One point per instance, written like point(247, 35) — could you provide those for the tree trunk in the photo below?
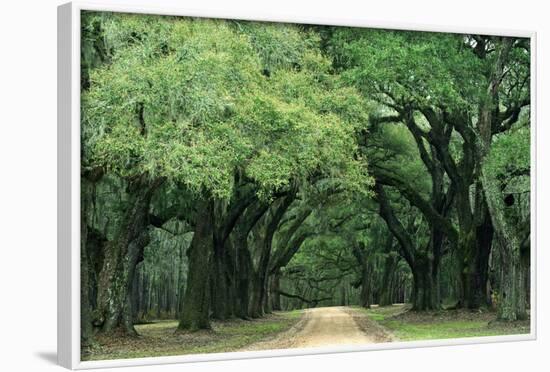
point(221, 308)
point(267, 297)
point(425, 294)
point(484, 237)
point(386, 291)
point(181, 282)
point(223, 282)
point(274, 289)
point(243, 275)
point(512, 295)
point(258, 290)
point(136, 291)
point(231, 277)
point(365, 295)
point(86, 334)
point(121, 257)
point(196, 304)
point(472, 294)
point(259, 286)
point(244, 272)
point(226, 218)
point(512, 304)
point(524, 286)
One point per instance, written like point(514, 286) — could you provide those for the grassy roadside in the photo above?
point(408, 326)
point(159, 338)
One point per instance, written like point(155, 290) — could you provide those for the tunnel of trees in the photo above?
point(231, 169)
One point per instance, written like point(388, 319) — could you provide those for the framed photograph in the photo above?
point(243, 186)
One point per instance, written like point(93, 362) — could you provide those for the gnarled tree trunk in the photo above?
point(512, 301)
point(121, 257)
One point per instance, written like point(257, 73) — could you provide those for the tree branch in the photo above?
point(313, 302)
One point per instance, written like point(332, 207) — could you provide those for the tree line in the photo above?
point(233, 168)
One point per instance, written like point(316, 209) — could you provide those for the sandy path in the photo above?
point(330, 326)
point(320, 327)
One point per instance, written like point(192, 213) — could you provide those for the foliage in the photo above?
point(420, 67)
point(510, 154)
point(177, 103)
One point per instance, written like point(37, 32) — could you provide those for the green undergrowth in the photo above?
point(161, 339)
point(409, 325)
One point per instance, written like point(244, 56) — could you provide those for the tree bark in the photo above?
point(121, 257)
point(275, 291)
point(260, 276)
point(484, 234)
point(91, 246)
point(244, 272)
point(512, 304)
point(365, 281)
point(425, 291)
point(181, 282)
point(244, 266)
point(258, 290)
point(221, 283)
point(462, 176)
point(195, 314)
point(224, 262)
point(86, 333)
point(386, 291)
point(425, 273)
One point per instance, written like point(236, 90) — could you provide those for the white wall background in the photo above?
point(28, 182)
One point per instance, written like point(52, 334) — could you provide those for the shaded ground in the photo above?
point(327, 326)
point(409, 325)
point(159, 338)
point(318, 327)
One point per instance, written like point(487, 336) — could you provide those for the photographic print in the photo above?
point(253, 186)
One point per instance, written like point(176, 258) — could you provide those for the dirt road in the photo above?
point(324, 326)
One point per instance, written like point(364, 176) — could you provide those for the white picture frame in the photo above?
point(69, 183)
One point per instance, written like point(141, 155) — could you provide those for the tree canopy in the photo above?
point(231, 168)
